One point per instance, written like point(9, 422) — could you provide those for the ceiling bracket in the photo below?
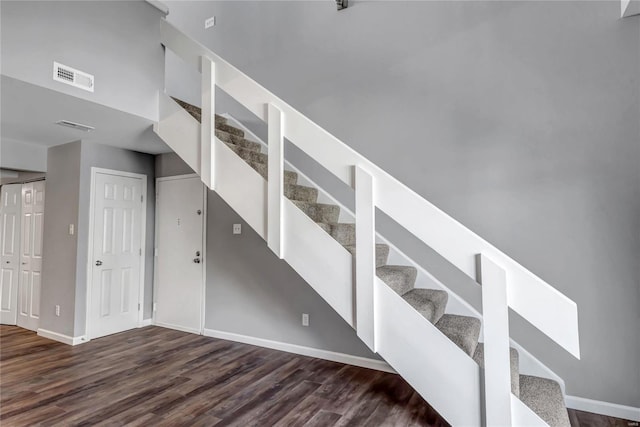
point(342, 4)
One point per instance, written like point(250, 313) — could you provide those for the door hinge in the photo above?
point(141, 198)
point(138, 306)
point(140, 251)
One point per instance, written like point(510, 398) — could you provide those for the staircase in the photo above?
point(433, 346)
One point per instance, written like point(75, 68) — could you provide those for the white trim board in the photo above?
point(363, 362)
point(65, 339)
point(603, 408)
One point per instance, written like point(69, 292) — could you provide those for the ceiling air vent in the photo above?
point(73, 125)
point(73, 77)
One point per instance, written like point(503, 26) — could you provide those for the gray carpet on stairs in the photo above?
point(462, 330)
point(478, 356)
point(542, 395)
point(400, 278)
point(382, 253)
point(430, 303)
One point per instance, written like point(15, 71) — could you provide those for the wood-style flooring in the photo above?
point(160, 377)
point(155, 376)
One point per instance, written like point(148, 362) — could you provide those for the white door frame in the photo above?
point(143, 238)
point(204, 247)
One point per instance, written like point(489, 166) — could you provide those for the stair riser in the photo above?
point(300, 193)
point(319, 212)
point(230, 129)
point(345, 234)
point(239, 141)
point(401, 281)
point(382, 253)
point(290, 178)
point(248, 155)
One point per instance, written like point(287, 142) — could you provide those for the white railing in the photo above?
point(506, 284)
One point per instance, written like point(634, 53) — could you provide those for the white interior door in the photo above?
point(180, 259)
point(10, 252)
point(31, 255)
point(118, 214)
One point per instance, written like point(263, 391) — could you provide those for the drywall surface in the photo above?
point(22, 156)
point(107, 157)
point(519, 119)
point(252, 292)
point(59, 248)
point(170, 164)
point(117, 42)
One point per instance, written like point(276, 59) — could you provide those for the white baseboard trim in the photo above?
point(603, 408)
point(65, 339)
point(146, 322)
point(177, 328)
point(364, 362)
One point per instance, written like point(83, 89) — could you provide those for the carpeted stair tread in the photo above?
point(301, 193)
point(545, 398)
point(431, 303)
point(248, 155)
point(400, 278)
point(344, 233)
point(238, 140)
point(478, 356)
point(230, 129)
point(319, 212)
point(382, 253)
point(290, 177)
point(462, 330)
point(196, 112)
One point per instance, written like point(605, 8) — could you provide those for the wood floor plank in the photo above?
point(160, 377)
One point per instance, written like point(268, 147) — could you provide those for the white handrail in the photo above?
point(542, 305)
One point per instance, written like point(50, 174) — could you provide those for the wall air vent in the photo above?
point(73, 77)
point(77, 126)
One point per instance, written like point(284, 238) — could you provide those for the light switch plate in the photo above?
point(210, 22)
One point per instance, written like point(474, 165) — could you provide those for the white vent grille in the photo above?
point(73, 77)
point(73, 125)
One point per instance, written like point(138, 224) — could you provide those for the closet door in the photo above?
point(9, 252)
point(31, 255)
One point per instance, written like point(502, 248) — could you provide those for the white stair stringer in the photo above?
point(434, 366)
point(179, 130)
point(320, 260)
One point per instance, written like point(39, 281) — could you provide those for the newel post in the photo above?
point(365, 257)
point(495, 324)
point(207, 127)
point(275, 180)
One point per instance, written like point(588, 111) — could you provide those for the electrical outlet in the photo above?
point(57, 310)
point(210, 22)
point(71, 229)
point(155, 306)
point(237, 228)
point(305, 319)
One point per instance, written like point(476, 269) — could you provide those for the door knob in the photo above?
point(196, 260)
point(98, 262)
point(197, 253)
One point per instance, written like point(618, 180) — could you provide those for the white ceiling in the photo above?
point(29, 113)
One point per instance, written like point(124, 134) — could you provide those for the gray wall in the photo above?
point(22, 156)
point(67, 202)
point(119, 46)
point(59, 248)
point(251, 292)
point(519, 119)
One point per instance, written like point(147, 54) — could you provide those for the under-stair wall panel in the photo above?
point(324, 264)
point(241, 187)
point(180, 131)
point(446, 377)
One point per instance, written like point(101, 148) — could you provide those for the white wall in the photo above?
point(520, 119)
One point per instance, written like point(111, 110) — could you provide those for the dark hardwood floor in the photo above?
point(154, 376)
